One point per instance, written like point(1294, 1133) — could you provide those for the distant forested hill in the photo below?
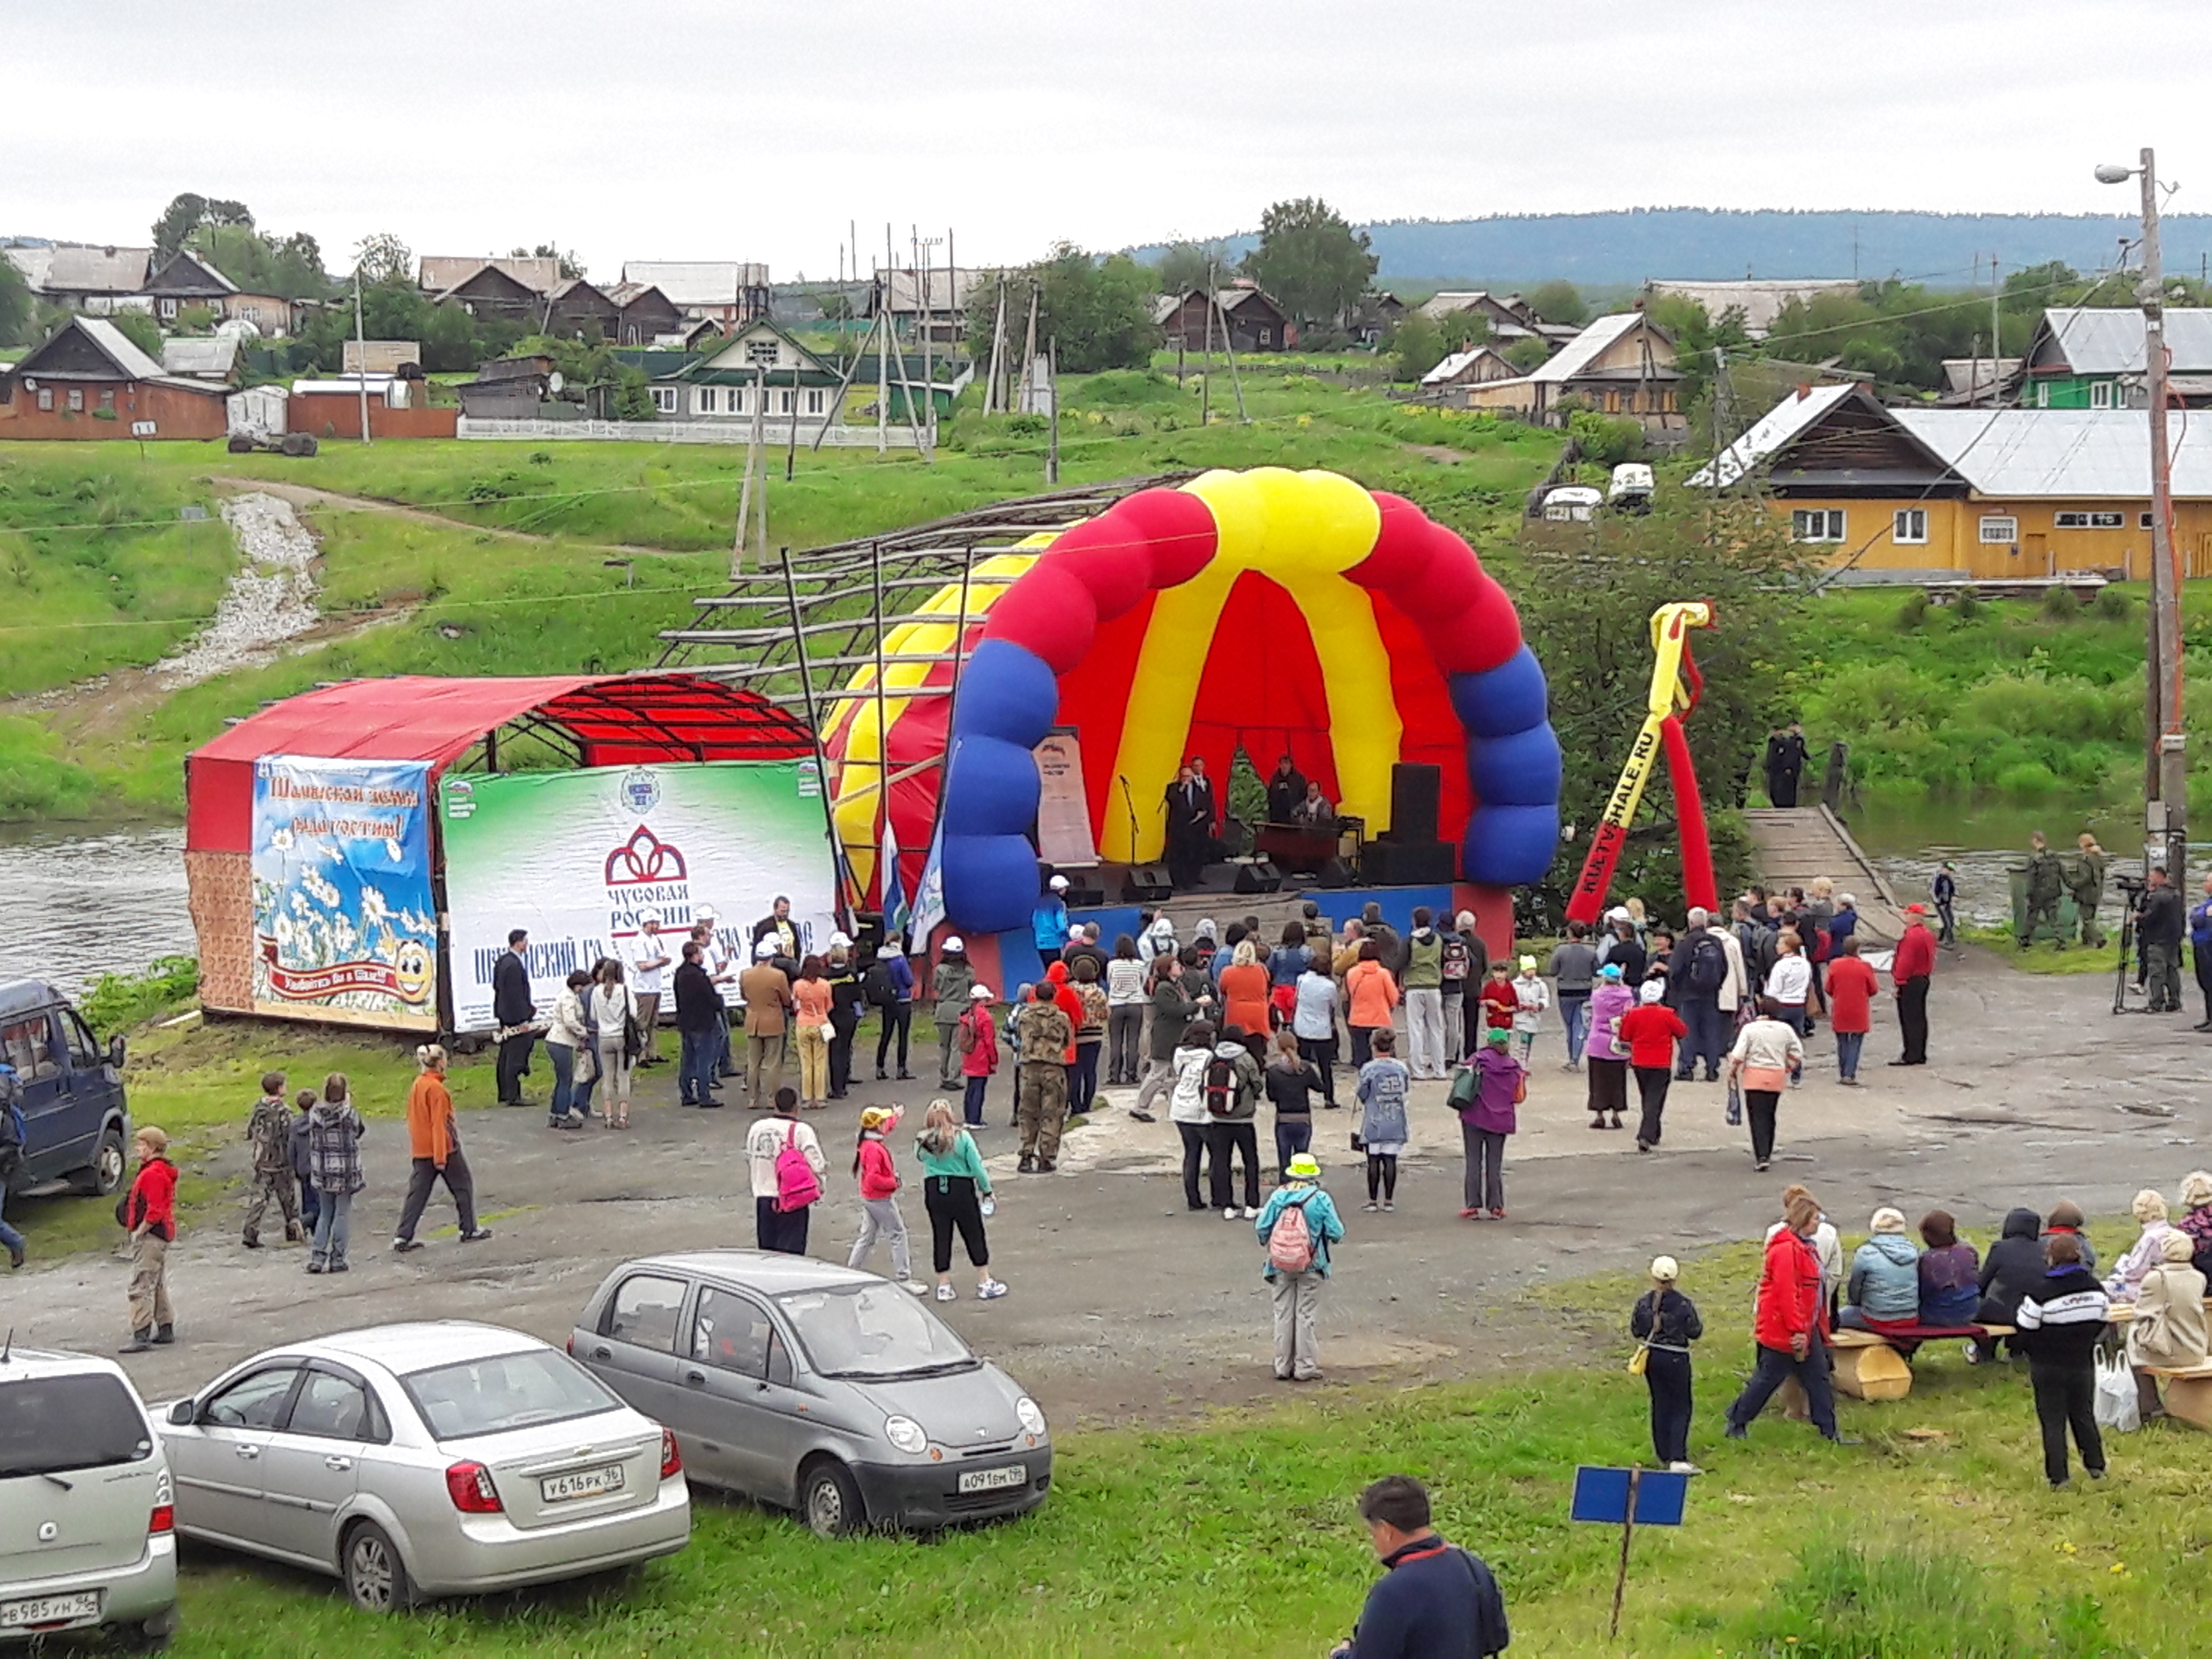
point(1635, 244)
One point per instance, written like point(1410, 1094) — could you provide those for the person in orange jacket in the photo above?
point(434, 1141)
point(1790, 1323)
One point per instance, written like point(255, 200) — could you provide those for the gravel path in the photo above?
point(271, 599)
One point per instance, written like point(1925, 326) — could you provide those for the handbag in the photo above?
point(1467, 1083)
point(1640, 1361)
point(1735, 1108)
point(2116, 1405)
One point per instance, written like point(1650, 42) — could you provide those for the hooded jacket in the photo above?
point(1608, 1004)
point(1498, 1078)
point(2013, 1267)
point(1425, 960)
point(1885, 1281)
point(1789, 1302)
point(1244, 1101)
point(1187, 1103)
point(1172, 1009)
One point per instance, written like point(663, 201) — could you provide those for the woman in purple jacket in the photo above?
point(1501, 1081)
point(1607, 1055)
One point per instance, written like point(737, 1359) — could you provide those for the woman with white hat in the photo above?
point(948, 989)
point(1665, 1322)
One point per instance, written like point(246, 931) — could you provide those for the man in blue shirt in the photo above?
point(1049, 921)
point(1435, 1600)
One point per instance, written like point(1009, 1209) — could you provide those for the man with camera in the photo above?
point(2160, 923)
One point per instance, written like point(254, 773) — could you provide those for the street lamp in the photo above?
point(2166, 769)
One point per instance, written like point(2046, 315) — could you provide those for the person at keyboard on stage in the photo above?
point(1313, 808)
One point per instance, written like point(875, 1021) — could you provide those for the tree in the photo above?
point(383, 258)
point(1586, 612)
point(187, 213)
point(1417, 345)
point(1558, 301)
point(1099, 310)
point(571, 264)
point(16, 306)
point(1310, 260)
point(289, 267)
point(1187, 265)
point(141, 329)
point(1532, 351)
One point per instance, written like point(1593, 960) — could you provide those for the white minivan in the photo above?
point(86, 1507)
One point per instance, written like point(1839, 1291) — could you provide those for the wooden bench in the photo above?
point(1871, 1366)
point(2187, 1393)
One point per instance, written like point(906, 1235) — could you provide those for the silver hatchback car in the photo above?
point(818, 1389)
point(432, 1459)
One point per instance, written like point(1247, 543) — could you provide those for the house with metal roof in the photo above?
point(1758, 301)
point(88, 380)
point(1240, 318)
point(1987, 493)
point(440, 273)
point(1623, 364)
point(759, 361)
point(1472, 367)
point(186, 281)
point(81, 276)
point(728, 292)
point(2092, 357)
point(214, 358)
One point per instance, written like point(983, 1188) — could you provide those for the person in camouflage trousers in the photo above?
point(2087, 886)
point(269, 1132)
point(2046, 882)
point(1047, 1045)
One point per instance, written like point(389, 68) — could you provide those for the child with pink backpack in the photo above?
point(787, 1167)
point(1297, 1225)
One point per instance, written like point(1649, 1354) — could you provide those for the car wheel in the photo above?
point(375, 1577)
point(829, 1499)
point(105, 1173)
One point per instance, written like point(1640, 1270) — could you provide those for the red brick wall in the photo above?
point(337, 415)
point(175, 414)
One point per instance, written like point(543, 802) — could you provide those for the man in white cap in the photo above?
point(1049, 921)
point(722, 971)
point(648, 961)
point(766, 989)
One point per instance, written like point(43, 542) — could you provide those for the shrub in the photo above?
point(1912, 612)
point(1968, 606)
point(1606, 440)
point(115, 1001)
point(2112, 604)
point(2059, 603)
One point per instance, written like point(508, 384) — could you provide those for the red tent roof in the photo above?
point(620, 720)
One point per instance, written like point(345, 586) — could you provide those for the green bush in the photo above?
point(2112, 604)
point(1913, 612)
point(1968, 606)
point(2060, 605)
point(116, 1000)
point(1606, 440)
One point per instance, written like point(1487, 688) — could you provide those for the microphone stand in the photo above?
point(1129, 805)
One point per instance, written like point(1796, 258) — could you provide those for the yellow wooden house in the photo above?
point(1981, 492)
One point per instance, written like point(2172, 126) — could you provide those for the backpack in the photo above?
point(965, 1036)
point(1220, 1086)
point(797, 1185)
point(1291, 1246)
point(1708, 965)
point(1457, 959)
point(876, 986)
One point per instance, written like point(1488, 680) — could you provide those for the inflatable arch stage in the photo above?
point(1287, 612)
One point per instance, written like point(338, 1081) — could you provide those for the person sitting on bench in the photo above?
point(1949, 1273)
point(1884, 1288)
point(2012, 1269)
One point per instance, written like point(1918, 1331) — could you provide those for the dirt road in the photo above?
point(1126, 1305)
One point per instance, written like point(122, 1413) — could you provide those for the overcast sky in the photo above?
point(732, 129)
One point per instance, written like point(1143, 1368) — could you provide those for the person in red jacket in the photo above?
point(1851, 992)
point(880, 1183)
point(1651, 1030)
point(1790, 1323)
point(1909, 974)
point(150, 1211)
point(976, 1037)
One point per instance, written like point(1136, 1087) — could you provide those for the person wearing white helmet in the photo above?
point(841, 968)
point(1049, 921)
point(649, 961)
point(1664, 1322)
point(766, 988)
point(949, 985)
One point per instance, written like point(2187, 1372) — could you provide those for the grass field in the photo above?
point(1238, 1536)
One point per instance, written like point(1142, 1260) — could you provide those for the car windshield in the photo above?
point(506, 1391)
point(871, 1331)
point(52, 1424)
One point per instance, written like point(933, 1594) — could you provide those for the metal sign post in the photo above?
point(1622, 1498)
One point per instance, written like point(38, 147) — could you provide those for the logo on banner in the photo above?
point(460, 798)
point(641, 790)
point(646, 872)
point(408, 977)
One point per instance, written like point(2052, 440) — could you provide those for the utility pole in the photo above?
point(2165, 764)
point(1052, 454)
point(1996, 331)
point(361, 357)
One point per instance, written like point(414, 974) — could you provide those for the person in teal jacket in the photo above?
point(1049, 921)
point(955, 1188)
point(1297, 1292)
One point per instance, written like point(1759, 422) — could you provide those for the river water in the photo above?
point(75, 904)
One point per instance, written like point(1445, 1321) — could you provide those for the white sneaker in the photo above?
point(990, 1292)
point(1249, 1213)
point(946, 1293)
point(915, 1287)
point(1230, 1214)
point(1684, 1468)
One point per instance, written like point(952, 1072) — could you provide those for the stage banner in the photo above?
point(1063, 807)
point(345, 927)
point(575, 857)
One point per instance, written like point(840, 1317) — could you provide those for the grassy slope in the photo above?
point(1236, 1535)
point(481, 604)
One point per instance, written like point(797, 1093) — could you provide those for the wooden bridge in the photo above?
point(1797, 843)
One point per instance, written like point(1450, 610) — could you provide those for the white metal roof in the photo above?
point(80, 268)
point(1770, 433)
point(1572, 358)
point(441, 273)
point(2069, 453)
point(686, 283)
point(216, 356)
point(2109, 340)
point(120, 352)
point(1457, 362)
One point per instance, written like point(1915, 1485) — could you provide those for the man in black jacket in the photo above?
point(515, 1010)
point(699, 1027)
point(2059, 1325)
point(2159, 929)
point(1436, 1600)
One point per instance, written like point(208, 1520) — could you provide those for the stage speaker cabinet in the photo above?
point(1259, 876)
point(1083, 891)
point(1410, 864)
point(1414, 791)
point(1147, 884)
point(1333, 872)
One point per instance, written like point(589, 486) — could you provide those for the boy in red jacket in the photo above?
point(880, 1183)
point(150, 1211)
point(977, 1036)
point(1789, 1322)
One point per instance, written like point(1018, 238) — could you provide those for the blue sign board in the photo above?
point(1601, 1495)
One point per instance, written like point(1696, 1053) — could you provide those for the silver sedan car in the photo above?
point(420, 1460)
point(818, 1389)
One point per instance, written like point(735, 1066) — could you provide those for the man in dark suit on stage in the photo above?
point(515, 1010)
point(1190, 825)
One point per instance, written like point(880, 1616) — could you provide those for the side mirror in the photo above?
point(116, 1050)
point(181, 1414)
